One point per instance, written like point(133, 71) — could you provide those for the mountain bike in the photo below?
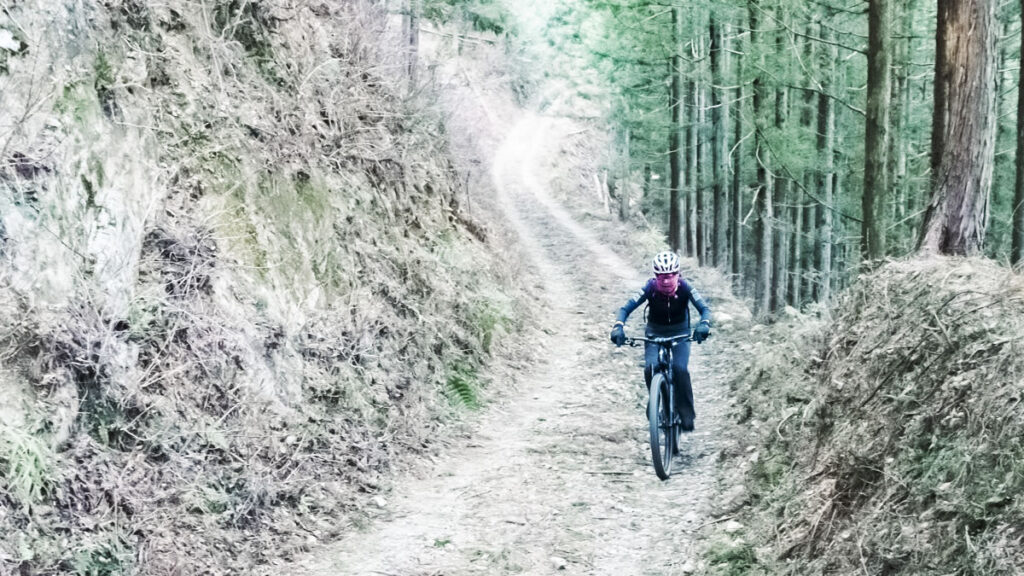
point(665, 424)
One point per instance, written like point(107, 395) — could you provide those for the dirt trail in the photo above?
point(557, 478)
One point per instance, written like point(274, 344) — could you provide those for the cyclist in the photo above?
point(668, 300)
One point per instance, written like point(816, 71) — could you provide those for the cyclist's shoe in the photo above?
point(686, 425)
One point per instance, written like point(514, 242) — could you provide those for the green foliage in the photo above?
point(250, 24)
point(78, 102)
point(103, 72)
point(112, 423)
point(482, 15)
point(463, 385)
point(237, 222)
point(103, 83)
point(107, 555)
point(26, 465)
point(244, 22)
point(487, 17)
point(728, 557)
point(491, 317)
point(289, 230)
point(770, 470)
point(209, 500)
point(146, 315)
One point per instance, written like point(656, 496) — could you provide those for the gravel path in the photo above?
point(557, 478)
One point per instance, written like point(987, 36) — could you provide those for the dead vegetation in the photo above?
point(238, 290)
point(890, 435)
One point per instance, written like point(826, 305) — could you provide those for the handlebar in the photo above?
point(636, 340)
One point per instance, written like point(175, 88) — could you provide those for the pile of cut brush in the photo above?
point(895, 446)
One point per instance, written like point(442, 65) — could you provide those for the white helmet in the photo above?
point(666, 263)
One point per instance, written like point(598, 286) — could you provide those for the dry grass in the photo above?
point(891, 436)
point(238, 283)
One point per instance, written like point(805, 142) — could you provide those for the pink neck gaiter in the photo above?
point(666, 284)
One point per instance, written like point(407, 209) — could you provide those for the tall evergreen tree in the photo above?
point(965, 102)
point(1017, 248)
point(763, 194)
point(675, 146)
point(719, 150)
point(876, 133)
point(736, 227)
point(826, 163)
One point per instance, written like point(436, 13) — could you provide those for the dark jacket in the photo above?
point(667, 316)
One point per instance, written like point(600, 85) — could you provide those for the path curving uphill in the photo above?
point(557, 478)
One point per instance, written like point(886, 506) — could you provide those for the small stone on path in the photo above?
point(732, 527)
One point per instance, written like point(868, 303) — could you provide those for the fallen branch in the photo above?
point(476, 39)
point(713, 522)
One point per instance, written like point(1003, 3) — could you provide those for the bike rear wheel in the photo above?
point(659, 417)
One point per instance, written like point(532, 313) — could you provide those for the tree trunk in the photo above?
point(737, 174)
point(763, 195)
point(1017, 249)
point(939, 108)
point(807, 243)
point(957, 215)
point(780, 252)
point(412, 37)
point(876, 130)
point(720, 152)
point(805, 219)
point(607, 184)
point(826, 163)
point(674, 145)
point(612, 189)
point(627, 179)
point(702, 170)
point(693, 131)
point(899, 128)
point(908, 192)
point(841, 231)
point(645, 189)
point(796, 255)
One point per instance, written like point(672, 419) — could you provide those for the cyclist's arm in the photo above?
point(635, 301)
point(701, 305)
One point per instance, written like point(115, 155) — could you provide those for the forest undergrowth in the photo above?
point(238, 286)
point(887, 437)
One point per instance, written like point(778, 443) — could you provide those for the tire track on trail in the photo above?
point(557, 478)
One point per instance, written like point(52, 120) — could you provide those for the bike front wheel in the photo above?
point(659, 417)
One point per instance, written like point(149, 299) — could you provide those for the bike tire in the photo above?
point(660, 424)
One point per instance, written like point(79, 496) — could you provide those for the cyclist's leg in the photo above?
point(684, 390)
point(650, 362)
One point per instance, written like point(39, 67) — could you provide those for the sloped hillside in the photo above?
point(890, 436)
point(236, 283)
